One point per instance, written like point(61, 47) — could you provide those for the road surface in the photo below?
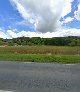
point(39, 77)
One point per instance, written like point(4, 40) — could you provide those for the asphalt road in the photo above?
point(39, 77)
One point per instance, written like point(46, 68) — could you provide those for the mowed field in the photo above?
point(60, 54)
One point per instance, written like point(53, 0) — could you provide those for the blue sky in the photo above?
point(9, 17)
point(14, 22)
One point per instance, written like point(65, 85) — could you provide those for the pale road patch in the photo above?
point(5, 91)
point(27, 62)
point(71, 64)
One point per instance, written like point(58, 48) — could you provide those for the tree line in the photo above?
point(56, 41)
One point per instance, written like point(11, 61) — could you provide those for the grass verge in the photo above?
point(40, 58)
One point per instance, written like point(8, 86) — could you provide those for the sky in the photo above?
point(39, 18)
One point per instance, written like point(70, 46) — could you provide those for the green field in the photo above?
point(60, 54)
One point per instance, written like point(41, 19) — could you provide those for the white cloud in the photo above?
point(44, 15)
point(70, 32)
point(68, 19)
point(61, 33)
point(20, 8)
point(11, 34)
point(3, 35)
point(77, 13)
point(67, 7)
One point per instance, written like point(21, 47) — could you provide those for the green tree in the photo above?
point(10, 43)
point(75, 42)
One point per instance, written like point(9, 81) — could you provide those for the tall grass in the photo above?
point(60, 54)
point(54, 50)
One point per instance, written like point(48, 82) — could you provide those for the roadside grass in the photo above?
point(40, 58)
point(46, 54)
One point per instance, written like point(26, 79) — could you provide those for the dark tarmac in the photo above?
point(39, 77)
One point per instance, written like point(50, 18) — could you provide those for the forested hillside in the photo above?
point(57, 41)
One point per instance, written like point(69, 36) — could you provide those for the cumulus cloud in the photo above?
point(43, 14)
point(77, 13)
point(3, 35)
point(61, 33)
point(67, 7)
